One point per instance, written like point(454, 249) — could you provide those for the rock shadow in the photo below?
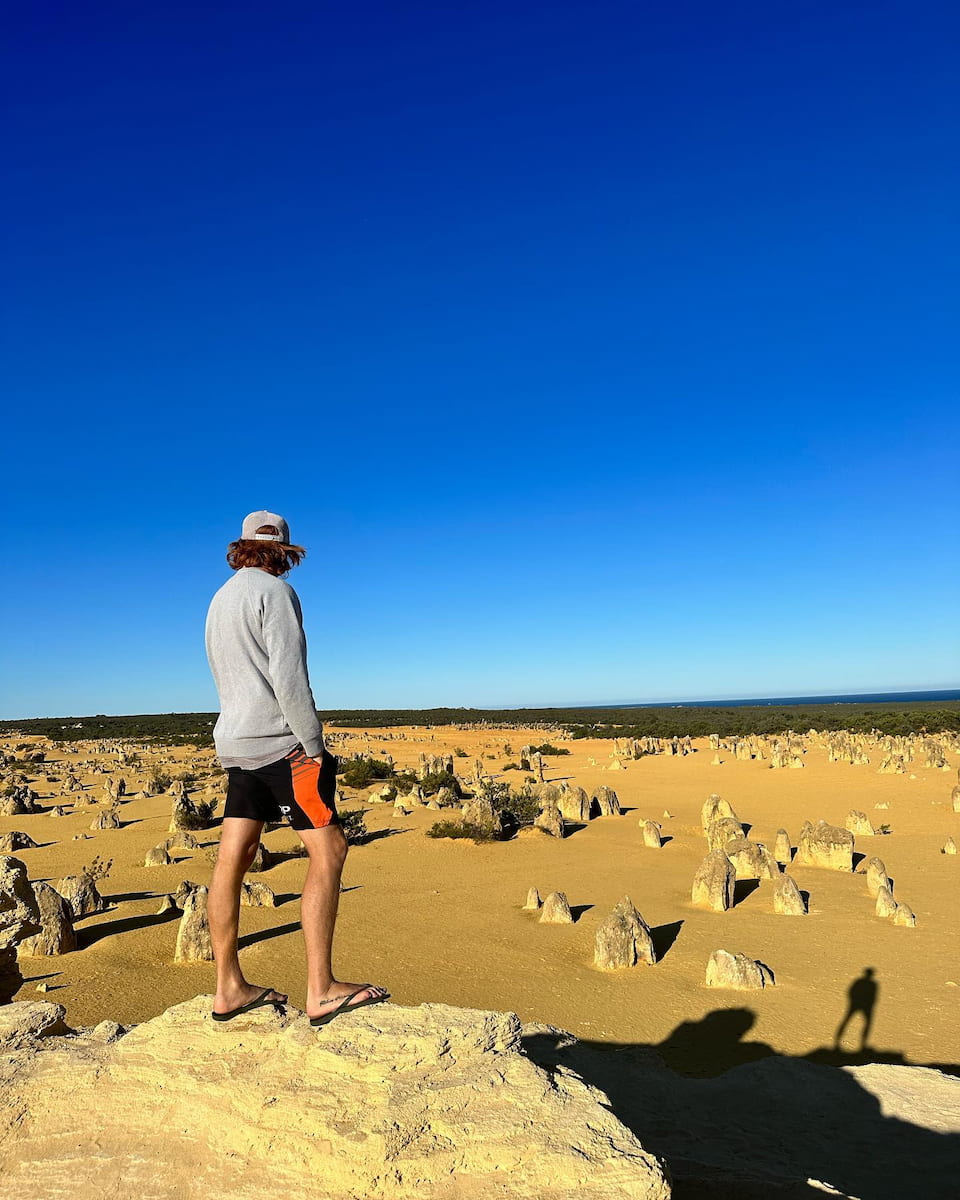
point(264, 935)
point(664, 936)
point(577, 910)
point(377, 834)
point(732, 1118)
point(743, 888)
point(96, 933)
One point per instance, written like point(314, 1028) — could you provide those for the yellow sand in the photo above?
point(441, 920)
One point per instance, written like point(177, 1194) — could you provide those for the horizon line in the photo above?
point(949, 693)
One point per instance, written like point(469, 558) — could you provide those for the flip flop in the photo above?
point(344, 1005)
point(235, 1012)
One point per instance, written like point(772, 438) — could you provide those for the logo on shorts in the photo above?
point(284, 808)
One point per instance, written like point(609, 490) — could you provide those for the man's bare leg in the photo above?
point(327, 848)
point(239, 839)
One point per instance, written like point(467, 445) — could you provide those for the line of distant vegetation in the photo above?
point(197, 728)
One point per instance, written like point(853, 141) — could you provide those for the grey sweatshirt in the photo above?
point(258, 655)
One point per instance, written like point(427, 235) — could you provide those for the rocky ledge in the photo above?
point(433, 1102)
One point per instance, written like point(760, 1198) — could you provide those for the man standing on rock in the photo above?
point(270, 742)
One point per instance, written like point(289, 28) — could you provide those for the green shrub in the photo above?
point(361, 772)
point(547, 748)
point(461, 829)
point(432, 783)
point(518, 809)
point(200, 815)
point(158, 781)
point(460, 753)
point(354, 823)
point(404, 781)
point(511, 767)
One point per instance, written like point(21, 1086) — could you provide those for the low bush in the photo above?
point(518, 809)
point(547, 749)
point(461, 829)
point(361, 772)
point(431, 783)
point(199, 815)
point(404, 781)
point(158, 781)
point(354, 823)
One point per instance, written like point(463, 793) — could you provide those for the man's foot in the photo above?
point(233, 998)
point(337, 991)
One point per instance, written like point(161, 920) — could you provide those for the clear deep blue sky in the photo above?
point(594, 351)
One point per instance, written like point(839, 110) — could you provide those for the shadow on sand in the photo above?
point(94, 933)
point(734, 1119)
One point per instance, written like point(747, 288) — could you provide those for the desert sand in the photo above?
point(442, 921)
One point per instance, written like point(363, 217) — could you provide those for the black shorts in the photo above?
point(296, 789)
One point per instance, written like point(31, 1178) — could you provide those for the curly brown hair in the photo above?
point(276, 557)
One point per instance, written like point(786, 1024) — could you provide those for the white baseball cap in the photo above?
point(261, 517)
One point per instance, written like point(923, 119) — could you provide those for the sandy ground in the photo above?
point(441, 920)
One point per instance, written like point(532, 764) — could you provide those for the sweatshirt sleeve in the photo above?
point(287, 652)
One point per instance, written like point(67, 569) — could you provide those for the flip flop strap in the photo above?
point(345, 1000)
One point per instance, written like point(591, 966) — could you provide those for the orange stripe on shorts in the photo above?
point(305, 773)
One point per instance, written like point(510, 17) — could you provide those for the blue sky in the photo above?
point(594, 351)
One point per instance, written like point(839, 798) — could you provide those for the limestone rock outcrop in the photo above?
point(714, 884)
point(574, 803)
point(257, 895)
point(190, 813)
point(723, 830)
point(16, 840)
point(824, 845)
point(859, 823)
point(787, 898)
point(877, 877)
point(903, 915)
point(57, 935)
point(23, 1024)
point(714, 809)
point(886, 905)
point(181, 840)
point(81, 893)
point(157, 856)
point(193, 932)
point(605, 802)
point(556, 910)
point(623, 939)
point(550, 820)
point(424, 1103)
point(751, 860)
point(106, 818)
point(726, 970)
point(19, 919)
